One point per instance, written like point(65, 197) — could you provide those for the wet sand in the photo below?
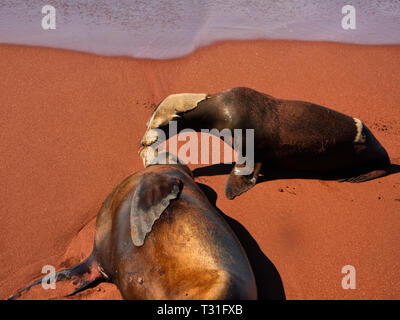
point(71, 123)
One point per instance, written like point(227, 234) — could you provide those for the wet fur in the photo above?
point(291, 135)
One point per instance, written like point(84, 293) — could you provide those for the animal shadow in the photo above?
point(279, 174)
point(268, 280)
point(394, 168)
point(213, 170)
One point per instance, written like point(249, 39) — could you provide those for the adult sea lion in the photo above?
point(158, 237)
point(289, 135)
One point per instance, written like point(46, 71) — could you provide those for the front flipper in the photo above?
point(366, 176)
point(237, 184)
point(152, 196)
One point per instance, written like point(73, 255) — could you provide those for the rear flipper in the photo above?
point(366, 176)
point(77, 278)
point(237, 184)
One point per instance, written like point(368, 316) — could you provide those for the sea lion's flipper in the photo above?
point(237, 184)
point(366, 176)
point(152, 196)
point(77, 278)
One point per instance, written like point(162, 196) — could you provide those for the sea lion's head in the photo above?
point(169, 109)
point(163, 157)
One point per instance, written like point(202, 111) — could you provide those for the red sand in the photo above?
point(70, 126)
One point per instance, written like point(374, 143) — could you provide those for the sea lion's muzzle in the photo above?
point(146, 151)
point(148, 154)
point(149, 137)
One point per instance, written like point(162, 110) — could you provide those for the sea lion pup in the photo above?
point(158, 237)
point(290, 135)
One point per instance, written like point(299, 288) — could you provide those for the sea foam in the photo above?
point(167, 29)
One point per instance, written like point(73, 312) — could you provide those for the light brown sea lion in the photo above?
point(289, 135)
point(158, 237)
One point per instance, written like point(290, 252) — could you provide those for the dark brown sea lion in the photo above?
point(158, 237)
point(289, 135)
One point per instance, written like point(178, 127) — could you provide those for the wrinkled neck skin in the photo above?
point(195, 119)
point(217, 112)
point(208, 115)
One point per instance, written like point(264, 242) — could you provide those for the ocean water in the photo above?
point(167, 29)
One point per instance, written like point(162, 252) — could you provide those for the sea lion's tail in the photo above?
point(374, 174)
point(394, 168)
point(80, 277)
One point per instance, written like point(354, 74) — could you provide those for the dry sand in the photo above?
point(71, 123)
